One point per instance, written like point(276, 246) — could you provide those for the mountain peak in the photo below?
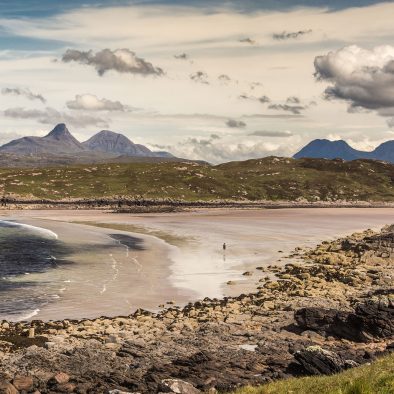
point(326, 149)
point(59, 132)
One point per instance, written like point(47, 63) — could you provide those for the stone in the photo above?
point(317, 361)
point(66, 387)
point(177, 386)
point(372, 319)
point(23, 382)
point(7, 388)
point(59, 378)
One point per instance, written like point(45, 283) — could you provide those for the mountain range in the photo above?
point(325, 149)
point(61, 142)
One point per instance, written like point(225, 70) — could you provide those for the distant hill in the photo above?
point(271, 179)
point(109, 142)
point(325, 149)
point(61, 144)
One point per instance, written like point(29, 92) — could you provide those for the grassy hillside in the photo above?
point(377, 378)
point(264, 179)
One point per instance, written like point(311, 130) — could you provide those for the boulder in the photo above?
point(371, 319)
point(177, 386)
point(59, 378)
point(7, 388)
point(317, 361)
point(23, 382)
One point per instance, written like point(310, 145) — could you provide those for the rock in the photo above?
point(7, 388)
point(59, 378)
point(66, 388)
point(49, 345)
point(247, 273)
point(23, 382)
point(317, 361)
point(372, 319)
point(177, 386)
point(122, 392)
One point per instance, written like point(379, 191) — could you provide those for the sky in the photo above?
point(210, 80)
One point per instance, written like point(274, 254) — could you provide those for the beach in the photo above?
point(121, 262)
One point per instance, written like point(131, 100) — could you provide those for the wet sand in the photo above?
point(183, 257)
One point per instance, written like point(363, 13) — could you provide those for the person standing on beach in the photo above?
point(224, 246)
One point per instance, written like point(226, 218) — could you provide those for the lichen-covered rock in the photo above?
point(318, 361)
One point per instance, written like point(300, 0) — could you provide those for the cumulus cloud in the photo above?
point(25, 93)
point(268, 133)
point(364, 78)
point(290, 35)
point(294, 109)
point(182, 56)
point(200, 77)
point(235, 124)
point(90, 102)
point(52, 116)
point(120, 60)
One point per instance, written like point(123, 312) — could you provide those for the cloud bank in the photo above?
point(52, 116)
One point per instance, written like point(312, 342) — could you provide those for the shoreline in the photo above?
point(125, 205)
point(272, 333)
point(197, 267)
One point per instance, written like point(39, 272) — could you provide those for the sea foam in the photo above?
point(41, 230)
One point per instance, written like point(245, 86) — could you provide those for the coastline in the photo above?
point(184, 261)
point(272, 333)
point(125, 205)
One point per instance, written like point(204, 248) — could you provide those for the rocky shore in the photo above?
point(329, 308)
point(136, 205)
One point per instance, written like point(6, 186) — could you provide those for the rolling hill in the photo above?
point(270, 178)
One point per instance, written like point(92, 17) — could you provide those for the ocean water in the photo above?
point(79, 273)
point(25, 253)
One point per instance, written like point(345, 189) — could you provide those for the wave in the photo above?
point(28, 316)
point(40, 230)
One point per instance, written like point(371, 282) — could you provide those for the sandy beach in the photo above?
point(179, 256)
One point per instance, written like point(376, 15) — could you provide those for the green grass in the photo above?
point(263, 179)
point(376, 378)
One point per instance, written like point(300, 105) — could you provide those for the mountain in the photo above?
point(58, 141)
point(110, 142)
point(325, 149)
point(384, 152)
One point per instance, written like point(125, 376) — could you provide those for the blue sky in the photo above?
point(40, 8)
point(211, 80)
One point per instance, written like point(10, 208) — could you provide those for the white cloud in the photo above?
point(90, 102)
point(362, 77)
point(120, 60)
